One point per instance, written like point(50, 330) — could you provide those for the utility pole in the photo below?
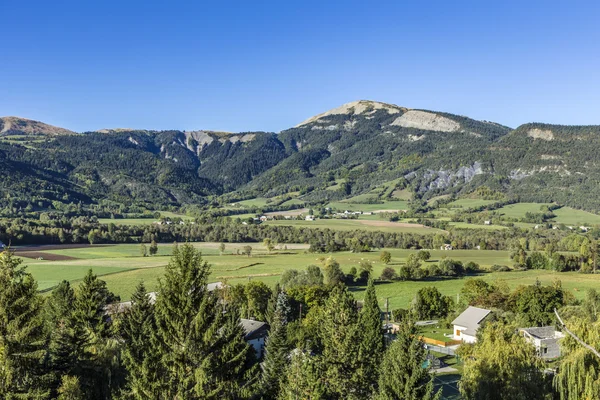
point(387, 310)
point(300, 311)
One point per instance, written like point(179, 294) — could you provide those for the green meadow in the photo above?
point(122, 267)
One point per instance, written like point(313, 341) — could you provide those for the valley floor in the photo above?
point(122, 267)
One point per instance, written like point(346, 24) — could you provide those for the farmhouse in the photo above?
point(446, 247)
point(255, 333)
point(545, 339)
point(467, 324)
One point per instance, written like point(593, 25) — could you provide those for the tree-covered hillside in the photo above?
point(348, 151)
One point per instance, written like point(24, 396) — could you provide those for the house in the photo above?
point(446, 247)
point(467, 324)
point(487, 222)
point(255, 334)
point(584, 228)
point(117, 308)
point(263, 218)
point(545, 339)
point(309, 218)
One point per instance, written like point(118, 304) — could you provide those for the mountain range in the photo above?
point(341, 153)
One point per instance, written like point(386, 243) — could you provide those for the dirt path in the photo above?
point(46, 247)
point(45, 256)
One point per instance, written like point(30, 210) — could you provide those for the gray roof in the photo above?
point(471, 318)
point(544, 332)
point(252, 327)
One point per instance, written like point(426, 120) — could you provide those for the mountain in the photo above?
point(358, 148)
point(22, 126)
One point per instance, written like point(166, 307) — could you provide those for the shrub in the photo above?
point(472, 267)
point(388, 274)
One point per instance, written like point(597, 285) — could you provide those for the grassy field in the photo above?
point(143, 221)
point(468, 203)
point(519, 210)
point(388, 205)
point(571, 216)
point(368, 224)
point(122, 267)
point(466, 225)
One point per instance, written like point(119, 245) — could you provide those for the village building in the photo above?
point(545, 339)
point(255, 334)
point(467, 324)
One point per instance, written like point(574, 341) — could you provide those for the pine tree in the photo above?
point(202, 351)
point(402, 374)
point(22, 334)
point(140, 357)
point(97, 348)
point(67, 339)
point(276, 352)
point(233, 368)
point(304, 379)
point(340, 334)
point(372, 342)
point(70, 389)
point(59, 304)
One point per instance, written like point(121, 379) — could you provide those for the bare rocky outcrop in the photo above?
point(442, 179)
point(360, 107)
point(544, 134)
point(426, 121)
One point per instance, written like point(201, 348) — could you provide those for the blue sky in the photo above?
point(243, 66)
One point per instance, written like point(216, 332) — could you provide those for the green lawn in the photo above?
point(436, 333)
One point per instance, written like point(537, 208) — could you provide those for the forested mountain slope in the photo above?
point(341, 153)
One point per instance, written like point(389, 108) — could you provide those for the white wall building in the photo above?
point(467, 324)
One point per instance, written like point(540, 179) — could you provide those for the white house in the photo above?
point(309, 218)
point(545, 339)
point(487, 222)
point(446, 247)
point(255, 333)
point(467, 324)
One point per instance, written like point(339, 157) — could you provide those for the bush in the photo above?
point(499, 268)
point(388, 274)
point(472, 267)
point(399, 314)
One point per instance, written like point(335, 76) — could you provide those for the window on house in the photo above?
point(457, 332)
point(545, 350)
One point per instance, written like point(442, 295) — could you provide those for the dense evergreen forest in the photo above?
point(187, 342)
point(360, 145)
